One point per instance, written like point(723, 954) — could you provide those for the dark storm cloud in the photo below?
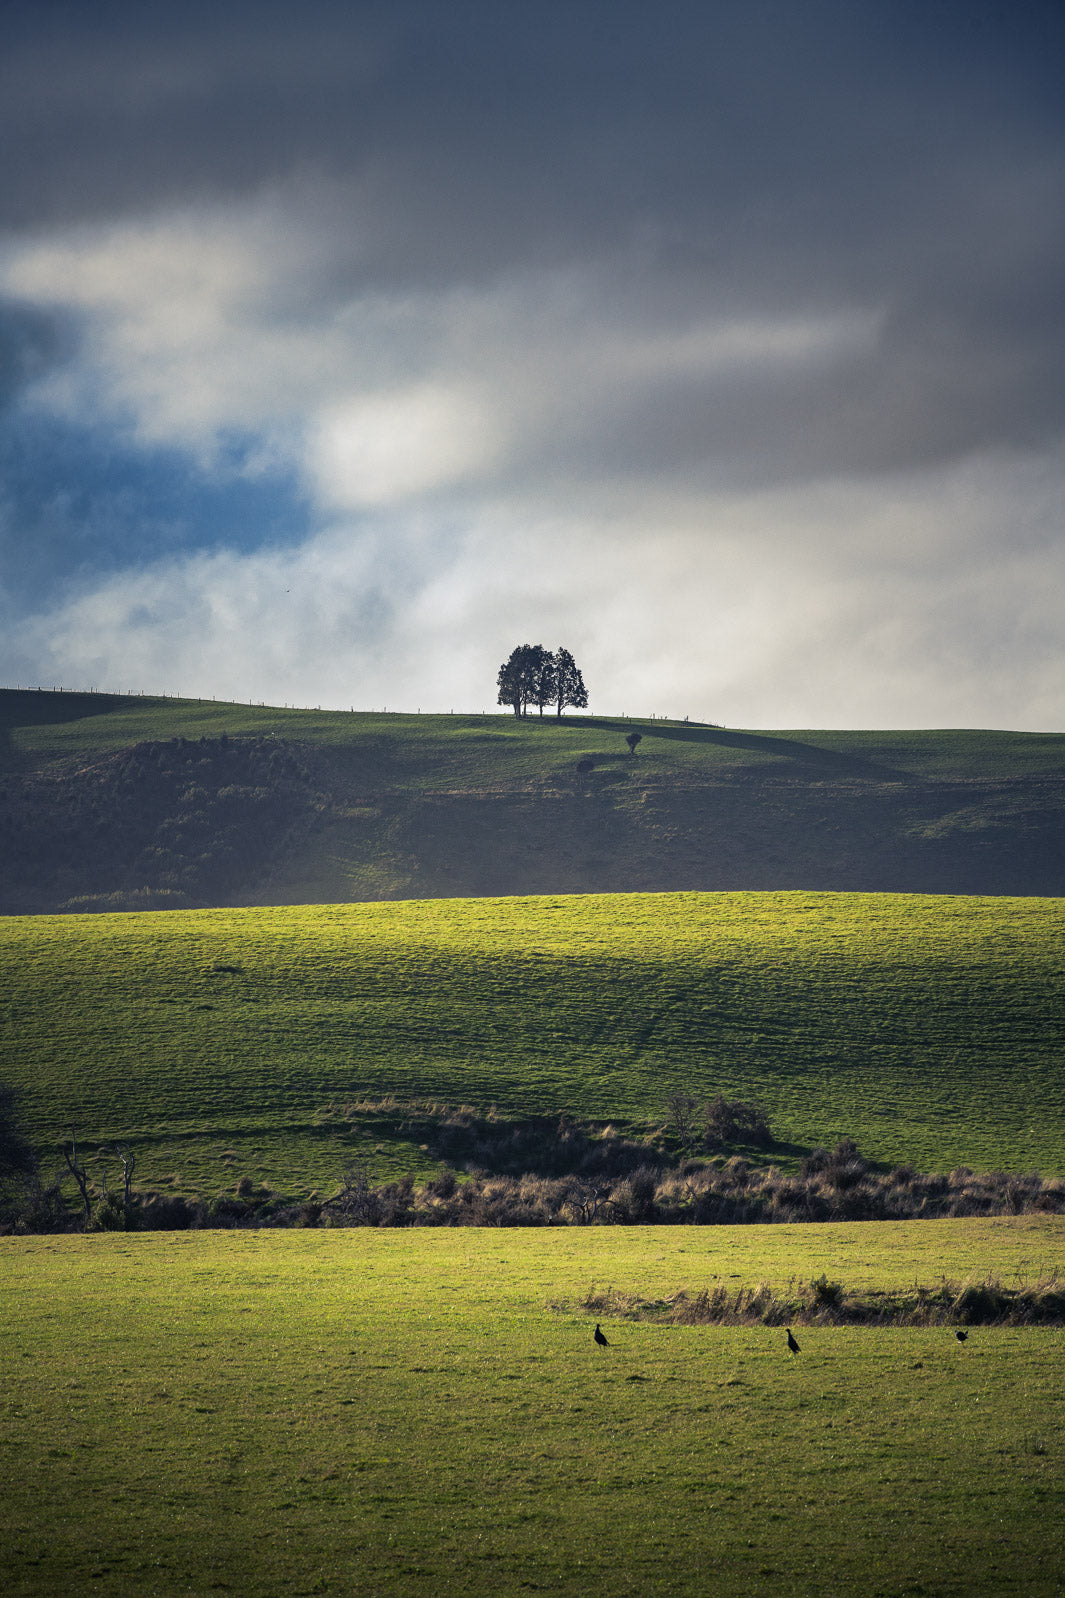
point(565, 119)
point(902, 159)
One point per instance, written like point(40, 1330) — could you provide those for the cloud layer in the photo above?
point(345, 347)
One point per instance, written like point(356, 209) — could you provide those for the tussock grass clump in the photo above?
point(821, 1302)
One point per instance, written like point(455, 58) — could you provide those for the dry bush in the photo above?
point(736, 1121)
point(834, 1186)
point(169, 1212)
point(986, 1303)
point(551, 1171)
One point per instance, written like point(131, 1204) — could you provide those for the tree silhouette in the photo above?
point(542, 671)
point(515, 680)
point(569, 684)
point(534, 676)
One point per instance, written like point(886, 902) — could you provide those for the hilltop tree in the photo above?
point(535, 676)
point(517, 678)
point(510, 681)
point(569, 684)
point(544, 676)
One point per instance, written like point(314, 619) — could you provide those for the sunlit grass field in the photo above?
point(226, 1043)
point(418, 1413)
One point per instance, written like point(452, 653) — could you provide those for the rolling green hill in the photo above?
point(230, 1043)
point(114, 803)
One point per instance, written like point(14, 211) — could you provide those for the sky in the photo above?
point(345, 346)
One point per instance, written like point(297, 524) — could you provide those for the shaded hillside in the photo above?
point(154, 826)
point(109, 802)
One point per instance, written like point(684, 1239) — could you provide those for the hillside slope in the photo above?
point(116, 803)
point(224, 1042)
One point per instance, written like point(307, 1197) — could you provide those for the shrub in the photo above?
point(632, 1200)
point(979, 1303)
point(443, 1186)
point(170, 1212)
point(737, 1122)
point(682, 1109)
point(826, 1295)
point(110, 1214)
point(227, 1211)
point(29, 1204)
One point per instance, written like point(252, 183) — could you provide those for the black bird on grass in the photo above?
point(793, 1347)
point(961, 1336)
point(600, 1339)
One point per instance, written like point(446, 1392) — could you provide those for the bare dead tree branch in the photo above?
point(78, 1172)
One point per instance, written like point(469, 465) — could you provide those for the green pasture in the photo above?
point(111, 803)
point(418, 1413)
point(223, 1044)
point(486, 747)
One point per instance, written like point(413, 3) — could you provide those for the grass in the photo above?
point(411, 806)
point(405, 1413)
point(929, 1029)
point(438, 751)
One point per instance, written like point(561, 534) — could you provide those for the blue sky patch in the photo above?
point(79, 504)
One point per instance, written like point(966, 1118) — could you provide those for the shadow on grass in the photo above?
point(835, 761)
point(31, 707)
point(37, 707)
point(535, 1145)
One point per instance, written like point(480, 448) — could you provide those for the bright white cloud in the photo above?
point(376, 449)
point(726, 609)
point(179, 344)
